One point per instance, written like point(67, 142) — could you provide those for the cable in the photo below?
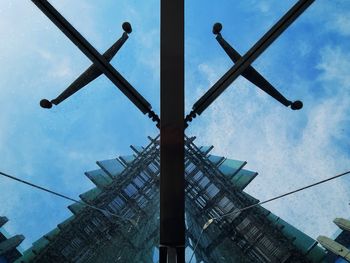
point(103, 211)
point(195, 247)
point(211, 220)
point(206, 225)
point(283, 195)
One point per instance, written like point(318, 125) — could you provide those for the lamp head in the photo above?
point(296, 105)
point(217, 28)
point(127, 27)
point(46, 104)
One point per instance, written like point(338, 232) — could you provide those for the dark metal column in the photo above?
point(172, 194)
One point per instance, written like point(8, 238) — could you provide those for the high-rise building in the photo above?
point(126, 226)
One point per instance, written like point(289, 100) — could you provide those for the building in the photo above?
point(125, 229)
point(338, 250)
point(8, 245)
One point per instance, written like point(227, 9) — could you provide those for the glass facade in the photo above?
point(125, 227)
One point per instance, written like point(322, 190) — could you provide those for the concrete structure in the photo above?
point(339, 248)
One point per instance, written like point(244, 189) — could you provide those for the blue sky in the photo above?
point(289, 149)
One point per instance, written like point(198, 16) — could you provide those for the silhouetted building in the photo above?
point(8, 245)
point(126, 229)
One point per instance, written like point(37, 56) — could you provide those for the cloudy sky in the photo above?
point(289, 149)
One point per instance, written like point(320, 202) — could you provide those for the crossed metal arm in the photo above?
point(91, 73)
point(251, 74)
point(100, 63)
point(243, 64)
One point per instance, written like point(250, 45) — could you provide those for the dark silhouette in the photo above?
point(243, 64)
point(91, 73)
point(251, 74)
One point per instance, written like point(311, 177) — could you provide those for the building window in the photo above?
point(268, 247)
point(141, 201)
point(129, 214)
point(154, 168)
point(194, 191)
point(67, 251)
point(88, 230)
point(130, 190)
point(190, 167)
point(213, 213)
point(198, 176)
point(203, 183)
point(98, 223)
point(252, 233)
point(117, 203)
point(138, 182)
point(245, 223)
point(212, 190)
point(144, 176)
point(225, 205)
point(76, 242)
point(201, 201)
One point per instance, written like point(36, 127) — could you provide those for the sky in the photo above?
point(288, 149)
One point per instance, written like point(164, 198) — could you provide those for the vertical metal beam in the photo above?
point(172, 181)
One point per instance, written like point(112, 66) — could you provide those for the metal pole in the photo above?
point(172, 181)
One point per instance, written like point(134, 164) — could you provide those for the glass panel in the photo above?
point(204, 181)
point(130, 190)
point(198, 176)
point(139, 182)
point(113, 167)
point(189, 168)
point(212, 190)
point(230, 167)
point(243, 178)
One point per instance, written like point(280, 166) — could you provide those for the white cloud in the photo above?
point(148, 54)
point(59, 67)
point(264, 6)
point(82, 15)
point(331, 16)
point(335, 64)
point(210, 73)
point(341, 23)
point(289, 149)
